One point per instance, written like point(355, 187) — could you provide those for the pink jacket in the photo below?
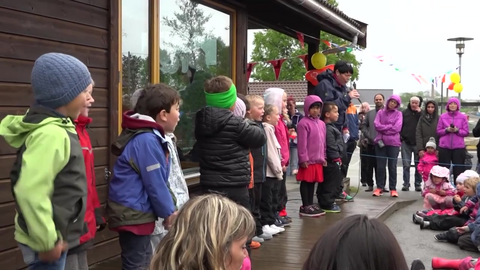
point(311, 136)
point(426, 163)
point(281, 132)
point(388, 124)
point(449, 189)
point(247, 264)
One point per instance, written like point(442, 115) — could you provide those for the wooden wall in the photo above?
point(76, 27)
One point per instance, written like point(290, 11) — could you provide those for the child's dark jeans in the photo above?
point(331, 186)
point(136, 251)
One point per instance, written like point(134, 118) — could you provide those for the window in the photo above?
point(195, 45)
point(135, 48)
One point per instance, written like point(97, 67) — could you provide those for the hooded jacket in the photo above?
point(259, 156)
point(311, 135)
point(274, 96)
point(388, 124)
point(409, 126)
point(427, 126)
point(93, 213)
point(476, 133)
point(329, 89)
point(139, 191)
point(274, 164)
point(426, 163)
point(223, 143)
point(445, 185)
point(48, 178)
point(452, 140)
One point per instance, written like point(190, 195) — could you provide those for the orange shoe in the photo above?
point(393, 193)
point(378, 192)
point(255, 245)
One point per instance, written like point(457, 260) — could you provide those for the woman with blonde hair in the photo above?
point(210, 233)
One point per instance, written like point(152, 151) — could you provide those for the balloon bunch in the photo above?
point(319, 61)
point(455, 84)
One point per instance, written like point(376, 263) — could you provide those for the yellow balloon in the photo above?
point(319, 60)
point(458, 88)
point(455, 77)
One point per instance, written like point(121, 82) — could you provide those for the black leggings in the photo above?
point(456, 157)
point(306, 191)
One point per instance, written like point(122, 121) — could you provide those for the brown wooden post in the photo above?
point(313, 47)
point(240, 55)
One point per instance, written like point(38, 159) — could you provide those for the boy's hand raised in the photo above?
point(53, 254)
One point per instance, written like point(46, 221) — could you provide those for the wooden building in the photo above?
point(127, 44)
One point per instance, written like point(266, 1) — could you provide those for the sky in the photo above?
point(413, 35)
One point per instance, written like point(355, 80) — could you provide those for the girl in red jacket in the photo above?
point(77, 257)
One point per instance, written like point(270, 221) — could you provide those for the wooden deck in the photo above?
point(290, 249)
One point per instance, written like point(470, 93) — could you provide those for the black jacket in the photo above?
point(409, 126)
point(223, 145)
point(259, 156)
point(476, 133)
point(335, 143)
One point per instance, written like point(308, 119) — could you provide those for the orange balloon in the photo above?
point(451, 86)
point(311, 75)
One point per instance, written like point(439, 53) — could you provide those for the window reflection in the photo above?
point(194, 46)
point(135, 45)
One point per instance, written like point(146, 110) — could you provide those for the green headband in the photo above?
point(224, 100)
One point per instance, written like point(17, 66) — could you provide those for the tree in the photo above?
point(134, 75)
point(271, 45)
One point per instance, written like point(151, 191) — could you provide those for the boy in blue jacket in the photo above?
point(139, 192)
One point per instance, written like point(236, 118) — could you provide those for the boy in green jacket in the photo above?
point(48, 177)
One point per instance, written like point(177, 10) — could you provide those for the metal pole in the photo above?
point(460, 73)
point(441, 98)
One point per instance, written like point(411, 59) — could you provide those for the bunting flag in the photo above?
point(250, 69)
point(301, 38)
point(277, 66)
point(305, 60)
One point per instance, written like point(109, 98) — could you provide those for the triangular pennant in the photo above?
point(277, 66)
point(250, 69)
point(305, 60)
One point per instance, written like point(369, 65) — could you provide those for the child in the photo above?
point(139, 191)
point(329, 189)
point(240, 111)
point(51, 191)
point(438, 192)
point(295, 117)
point(311, 154)
point(428, 160)
point(77, 257)
point(278, 98)
point(453, 218)
point(273, 174)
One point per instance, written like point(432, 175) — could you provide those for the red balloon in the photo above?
point(450, 87)
point(311, 75)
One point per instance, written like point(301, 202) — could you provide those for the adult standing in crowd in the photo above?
point(410, 116)
point(332, 87)
point(427, 126)
point(369, 133)
point(364, 108)
point(353, 128)
point(476, 133)
point(452, 129)
point(295, 117)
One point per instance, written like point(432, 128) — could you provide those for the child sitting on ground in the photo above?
point(311, 154)
point(428, 160)
point(438, 192)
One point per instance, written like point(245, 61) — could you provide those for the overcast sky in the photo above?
point(413, 34)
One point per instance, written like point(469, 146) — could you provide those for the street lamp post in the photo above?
point(460, 47)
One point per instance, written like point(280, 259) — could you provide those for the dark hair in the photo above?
point(156, 98)
point(377, 95)
point(327, 107)
point(218, 84)
point(359, 243)
point(343, 67)
point(243, 98)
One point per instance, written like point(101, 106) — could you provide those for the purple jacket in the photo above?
point(311, 135)
point(452, 140)
point(388, 124)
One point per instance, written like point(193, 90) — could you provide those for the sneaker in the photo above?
point(378, 192)
point(424, 224)
point(405, 188)
point(265, 236)
point(394, 193)
point(417, 265)
point(311, 211)
point(270, 230)
point(422, 213)
point(369, 189)
point(364, 184)
point(417, 219)
point(287, 218)
point(441, 237)
point(258, 239)
point(273, 226)
point(333, 209)
point(281, 223)
point(255, 245)
point(418, 189)
point(344, 197)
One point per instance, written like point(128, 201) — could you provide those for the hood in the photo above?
point(396, 98)
point(16, 128)
point(83, 121)
point(453, 99)
point(210, 120)
point(440, 171)
point(274, 96)
point(309, 100)
point(132, 120)
point(435, 112)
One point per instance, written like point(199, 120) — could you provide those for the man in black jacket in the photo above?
point(411, 115)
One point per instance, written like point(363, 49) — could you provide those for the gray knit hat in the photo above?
point(58, 78)
point(431, 143)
